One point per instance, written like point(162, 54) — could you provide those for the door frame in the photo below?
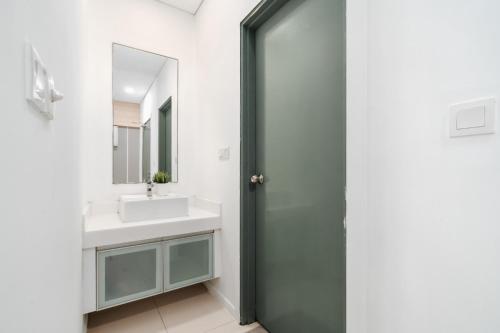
point(146, 174)
point(165, 108)
point(258, 16)
point(248, 27)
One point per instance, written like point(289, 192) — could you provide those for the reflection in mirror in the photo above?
point(144, 115)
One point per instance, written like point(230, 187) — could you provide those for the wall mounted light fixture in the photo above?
point(40, 88)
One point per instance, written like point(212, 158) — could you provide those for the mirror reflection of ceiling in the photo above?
point(133, 73)
point(190, 6)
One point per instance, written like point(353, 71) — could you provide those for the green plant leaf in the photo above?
point(161, 177)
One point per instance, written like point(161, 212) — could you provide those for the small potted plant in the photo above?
point(161, 178)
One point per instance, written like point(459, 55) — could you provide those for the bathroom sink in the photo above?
point(140, 207)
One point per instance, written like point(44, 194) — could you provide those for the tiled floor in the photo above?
point(188, 310)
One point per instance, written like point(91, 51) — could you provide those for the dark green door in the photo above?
point(165, 137)
point(146, 151)
point(300, 150)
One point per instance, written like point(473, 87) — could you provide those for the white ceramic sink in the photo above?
point(139, 207)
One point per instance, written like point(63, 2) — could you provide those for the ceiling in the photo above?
point(133, 73)
point(190, 6)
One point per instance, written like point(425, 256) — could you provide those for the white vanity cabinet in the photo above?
point(127, 261)
point(129, 273)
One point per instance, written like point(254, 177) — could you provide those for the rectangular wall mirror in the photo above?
point(144, 115)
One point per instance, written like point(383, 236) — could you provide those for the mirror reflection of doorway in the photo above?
point(146, 151)
point(165, 137)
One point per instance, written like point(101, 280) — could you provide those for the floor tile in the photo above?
point(138, 317)
point(235, 327)
point(259, 329)
point(180, 294)
point(191, 310)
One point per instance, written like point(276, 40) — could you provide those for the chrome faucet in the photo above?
point(149, 188)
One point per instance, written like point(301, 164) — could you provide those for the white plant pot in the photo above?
point(162, 189)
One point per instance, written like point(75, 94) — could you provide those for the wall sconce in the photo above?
point(40, 88)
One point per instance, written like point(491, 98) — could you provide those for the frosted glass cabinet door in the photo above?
point(188, 261)
point(129, 273)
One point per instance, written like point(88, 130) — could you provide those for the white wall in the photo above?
point(40, 289)
point(218, 124)
point(434, 202)
point(151, 26)
point(164, 86)
point(356, 166)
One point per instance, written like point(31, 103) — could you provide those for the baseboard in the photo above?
point(85, 321)
point(221, 298)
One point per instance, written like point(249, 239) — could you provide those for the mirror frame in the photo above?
point(174, 157)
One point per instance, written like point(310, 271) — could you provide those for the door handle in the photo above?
point(257, 179)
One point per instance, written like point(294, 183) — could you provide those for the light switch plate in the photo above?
point(224, 154)
point(473, 118)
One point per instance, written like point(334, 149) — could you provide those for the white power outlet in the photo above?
point(473, 118)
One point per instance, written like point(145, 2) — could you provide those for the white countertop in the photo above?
point(104, 227)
